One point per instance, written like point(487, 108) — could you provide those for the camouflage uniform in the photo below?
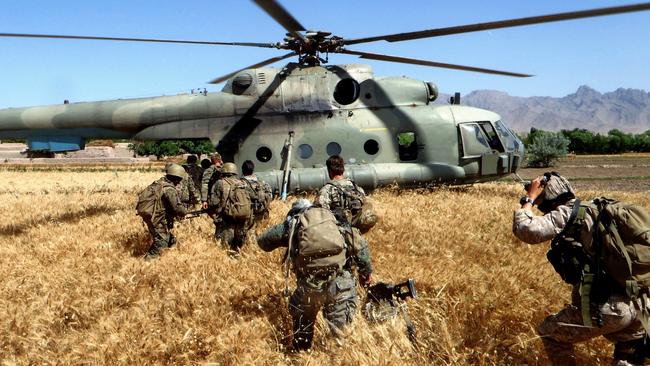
point(230, 233)
point(188, 195)
point(330, 197)
point(559, 332)
point(205, 181)
point(336, 294)
point(195, 172)
point(160, 226)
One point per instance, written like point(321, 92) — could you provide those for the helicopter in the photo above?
point(289, 120)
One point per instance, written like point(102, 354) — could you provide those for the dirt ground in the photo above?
point(626, 172)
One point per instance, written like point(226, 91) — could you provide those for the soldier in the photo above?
point(193, 170)
point(210, 175)
point(164, 210)
point(260, 192)
point(564, 219)
point(342, 194)
point(323, 282)
point(187, 193)
point(231, 205)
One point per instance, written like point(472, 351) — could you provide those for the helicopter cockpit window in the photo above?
point(333, 148)
point(264, 154)
point(507, 136)
point(408, 146)
point(305, 151)
point(241, 82)
point(493, 139)
point(475, 142)
point(346, 91)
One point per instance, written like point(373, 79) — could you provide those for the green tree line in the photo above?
point(582, 141)
point(172, 147)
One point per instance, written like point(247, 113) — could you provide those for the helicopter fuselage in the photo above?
point(386, 129)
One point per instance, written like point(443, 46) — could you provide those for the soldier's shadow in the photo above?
point(271, 306)
point(69, 217)
point(137, 243)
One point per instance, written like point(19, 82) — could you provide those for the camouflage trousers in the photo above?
point(620, 325)
point(162, 238)
point(336, 297)
point(232, 235)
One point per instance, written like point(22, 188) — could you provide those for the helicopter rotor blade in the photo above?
point(254, 66)
point(282, 16)
point(375, 56)
point(248, 44)
point(398, 37)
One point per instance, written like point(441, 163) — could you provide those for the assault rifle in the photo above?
point(196, 213)
point(387, 295)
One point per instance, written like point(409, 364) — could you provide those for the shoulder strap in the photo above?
point(572, 218)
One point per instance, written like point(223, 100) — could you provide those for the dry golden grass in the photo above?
point(75, 290)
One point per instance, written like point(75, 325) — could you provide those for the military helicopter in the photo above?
point(289, 120)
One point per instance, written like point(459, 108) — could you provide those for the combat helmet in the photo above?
point(175, 170)
point(557, 190)
point(229, 168)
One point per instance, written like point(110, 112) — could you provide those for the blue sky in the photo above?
point(604, 52)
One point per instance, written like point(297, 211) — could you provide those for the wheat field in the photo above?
point(75, 290)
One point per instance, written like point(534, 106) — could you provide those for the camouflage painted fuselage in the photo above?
point(387, 129)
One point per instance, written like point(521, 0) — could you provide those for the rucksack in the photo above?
point(149, 205)
point(319, 247)
point(236, 200)
point(357, 208)
point(621, 252)
point(260, 196)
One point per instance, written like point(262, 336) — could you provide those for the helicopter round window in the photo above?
point(264, 154)
point(346, 91)
point(333, 148)
point(371, 147)
point(305, 151)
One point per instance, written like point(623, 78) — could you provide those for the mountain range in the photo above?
point(625, 109)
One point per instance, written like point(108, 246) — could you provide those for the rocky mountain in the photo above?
point(625, 109)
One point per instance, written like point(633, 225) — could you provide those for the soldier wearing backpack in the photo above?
point(231, 204)
point(342, 194)
point(194, 170)
point(210, 175)
point(259, 191)
point(188, 195)
point(588, 242)
point(159, 205)
point(322, 255)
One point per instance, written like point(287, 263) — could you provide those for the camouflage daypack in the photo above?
point(320, 247)
point(236, 200)
point(357, 208)
point(149, 205)
point(260, 196)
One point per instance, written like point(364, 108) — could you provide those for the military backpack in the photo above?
point(260, 196)
point(319, 247)
point(149, 205)
point(620, 255)
point(357, 208)
point(235, 200)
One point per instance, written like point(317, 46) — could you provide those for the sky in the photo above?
point(604, 53)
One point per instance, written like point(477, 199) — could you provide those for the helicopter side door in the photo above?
point(481, 145)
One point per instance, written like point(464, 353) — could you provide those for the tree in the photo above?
point(171, 147)
point(546, 148)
